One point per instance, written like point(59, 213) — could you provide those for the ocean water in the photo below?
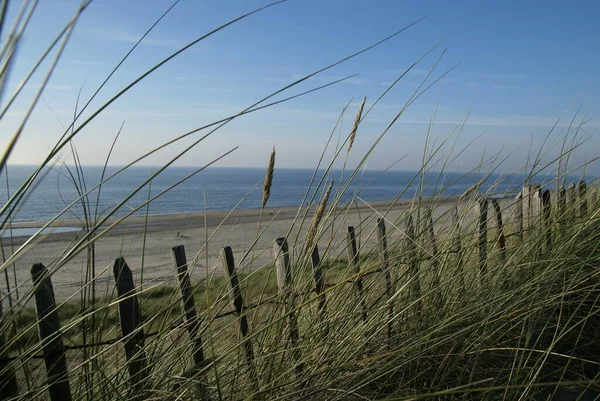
point(219, 188)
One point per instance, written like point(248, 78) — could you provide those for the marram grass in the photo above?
point(526, 327)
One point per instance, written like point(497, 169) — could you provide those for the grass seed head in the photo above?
point(268, 179)
point(311, 235)
point(356, 122)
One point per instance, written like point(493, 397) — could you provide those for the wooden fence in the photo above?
point(534, 209)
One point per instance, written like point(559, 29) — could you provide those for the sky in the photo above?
point(513, 69)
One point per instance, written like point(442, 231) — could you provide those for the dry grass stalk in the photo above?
point(311, 235)
point(268, 179)
point(471, 191)
point(355, 126)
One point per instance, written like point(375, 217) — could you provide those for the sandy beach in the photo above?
point(237, 229)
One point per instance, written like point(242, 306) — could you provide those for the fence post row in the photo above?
point(319, 289)
point(238, 304)
point(284, 283)
point(385, 265)
point(353, 260)
point(50, 337)
point(131, 326)
point(189, 309)
point(8, 380)
point(535, 209)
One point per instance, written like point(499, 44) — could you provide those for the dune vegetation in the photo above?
point(467, 297)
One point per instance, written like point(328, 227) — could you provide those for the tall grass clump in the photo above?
point(432, 309)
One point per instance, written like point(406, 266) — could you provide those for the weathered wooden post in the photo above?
point(571, 202)
point(238, 304)
point(284, 283)
point(501, 242)
point(561, 206)
point(593, 200)
point(189, 309)
point(413, 265)
point(536, 209)
point(547, 217)
point(456, 247)
point(518, 207)
point(532, 207)
point(320, 290)
point(582, 199)
point(353, 260)
point(50, 337)
point(130, 316)
point(482, 244)
point(431, 251)
point(385, 266)
point(8, 380)
point(554, 212)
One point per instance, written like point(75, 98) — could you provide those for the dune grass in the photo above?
point(524, 328)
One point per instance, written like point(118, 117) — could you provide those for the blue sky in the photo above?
point(522, 66)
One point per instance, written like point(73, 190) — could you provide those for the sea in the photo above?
point(221, 188)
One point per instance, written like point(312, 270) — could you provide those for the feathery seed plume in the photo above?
point(471, 190)
point(268, 179)
point(356, 122)
point(314, 225)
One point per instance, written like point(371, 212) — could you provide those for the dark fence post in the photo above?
point(281, 256)
point(238, 303)
point(571, 202)
point(456, 247)
point(353, 260)
point(501, 243)
point(131, 326)
point(483, 217)
point(384, 258)
point(189, 309)
point(593, 200)
point(320, 290)
point(50, 337)
point(547, 217)
point(8, 380)
point(582, 199)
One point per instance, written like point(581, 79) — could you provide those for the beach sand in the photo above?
point(237, 229)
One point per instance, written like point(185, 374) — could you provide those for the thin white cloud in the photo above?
point(504, 87)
